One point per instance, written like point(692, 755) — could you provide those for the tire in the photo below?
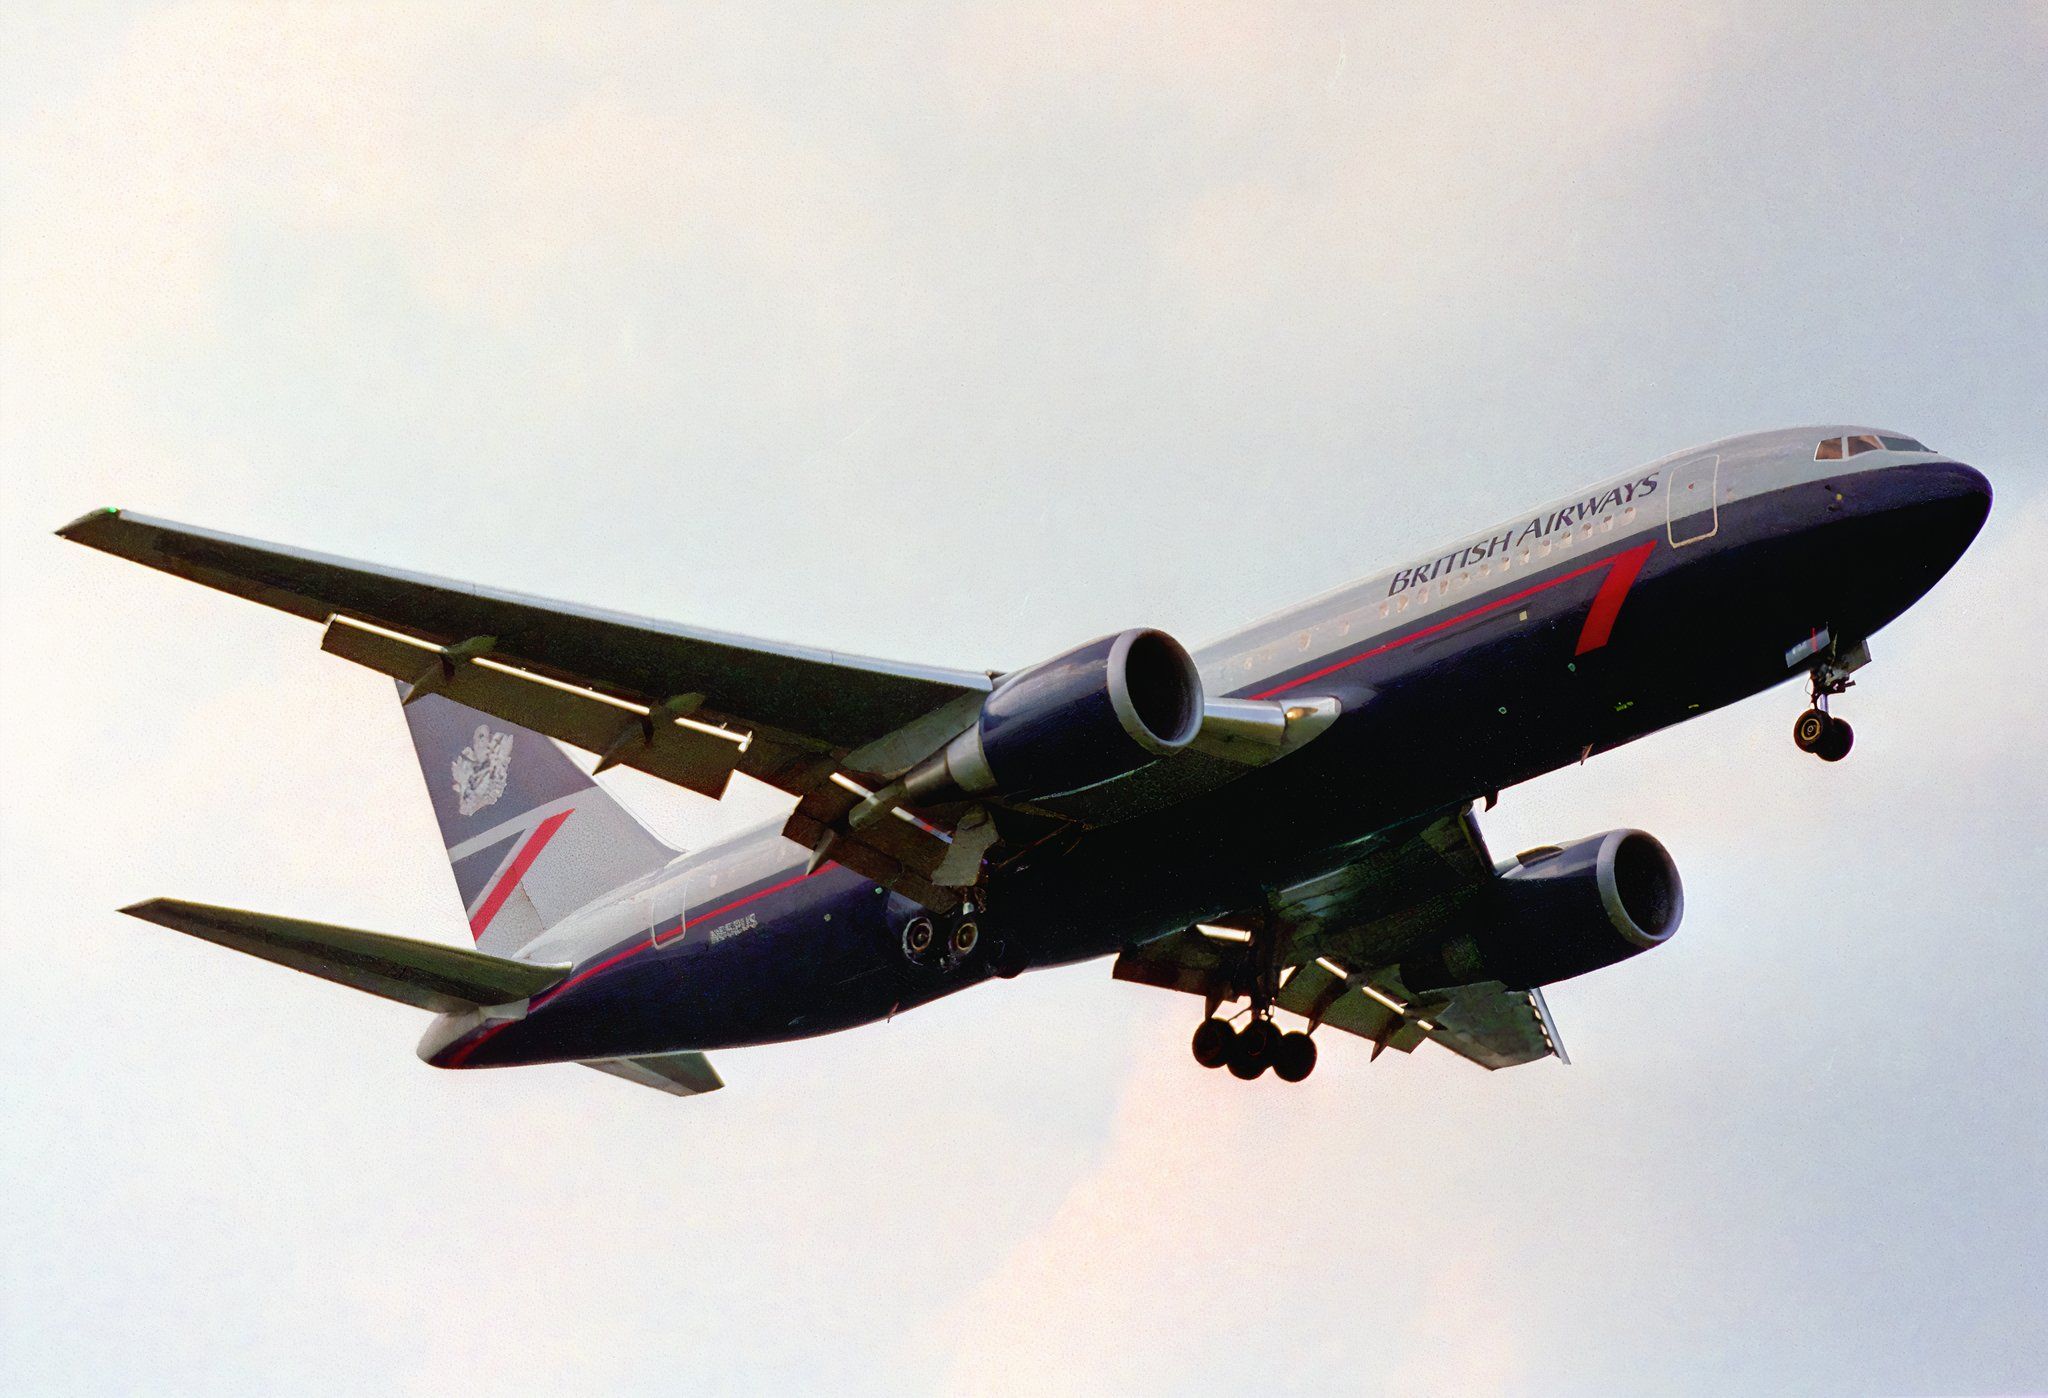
point(1252, 1054)
point(1835, 744)
point(918, 936)
point(1811, 730)
point(1214, 1039)
point(1294, 1058)
point(965, 938)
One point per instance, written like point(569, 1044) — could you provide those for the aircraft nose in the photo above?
point(1909, 524)
point(1952, 481)
point(1952, 501)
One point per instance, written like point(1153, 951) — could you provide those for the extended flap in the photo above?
point(659, 741)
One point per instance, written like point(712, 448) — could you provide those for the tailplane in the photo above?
point(530, 837)
point(430, 975)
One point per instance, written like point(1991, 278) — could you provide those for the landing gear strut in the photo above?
point(1817, 731)
point(1260, 1044)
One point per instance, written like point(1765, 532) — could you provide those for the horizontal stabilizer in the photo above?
point(683, 1074)
point(430, 975)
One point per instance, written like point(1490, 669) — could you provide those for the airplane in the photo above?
point(1281, 821)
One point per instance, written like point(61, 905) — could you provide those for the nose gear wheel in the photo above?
point(1817, 731)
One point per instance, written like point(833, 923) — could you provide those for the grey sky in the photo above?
point(959, 333)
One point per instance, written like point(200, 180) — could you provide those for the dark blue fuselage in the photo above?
point(1497, 685)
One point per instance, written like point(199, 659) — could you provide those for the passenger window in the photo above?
point(1901, 444)
point(1859, 445)
point(1830, 450)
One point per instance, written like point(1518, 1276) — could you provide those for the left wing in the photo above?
point(1337, 938)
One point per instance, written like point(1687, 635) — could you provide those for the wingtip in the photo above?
point(149, 909)
point(83, 525)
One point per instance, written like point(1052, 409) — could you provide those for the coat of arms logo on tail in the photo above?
point(479, 770)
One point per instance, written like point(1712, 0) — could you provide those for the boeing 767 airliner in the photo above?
point(1279, 821)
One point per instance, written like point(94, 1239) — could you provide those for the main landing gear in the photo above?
point(944, 944)
point(1250, 1051)
point(1260, 1044)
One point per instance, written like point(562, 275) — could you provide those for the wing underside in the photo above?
point(836, 699)
point(693, 706)
point(1338, 937)
point(686, 704)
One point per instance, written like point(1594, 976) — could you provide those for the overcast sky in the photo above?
point(960, 334)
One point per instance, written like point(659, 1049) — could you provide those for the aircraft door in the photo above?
point(665, 908)
point(1692, 509)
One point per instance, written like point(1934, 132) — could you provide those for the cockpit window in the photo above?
point(1835, 448)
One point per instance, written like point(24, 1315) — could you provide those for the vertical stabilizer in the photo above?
point(530, 837)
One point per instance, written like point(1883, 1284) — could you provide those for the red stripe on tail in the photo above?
point(515, 871)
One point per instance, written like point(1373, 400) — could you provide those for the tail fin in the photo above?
point(529, 836)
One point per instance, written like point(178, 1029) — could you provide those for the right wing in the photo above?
point(834, 699)
point(686, 704)
point(693, 706)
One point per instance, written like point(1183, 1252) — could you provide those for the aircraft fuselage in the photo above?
point(1571, 629)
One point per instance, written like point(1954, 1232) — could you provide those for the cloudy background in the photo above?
point(959, 333)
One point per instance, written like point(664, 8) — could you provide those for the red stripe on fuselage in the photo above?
point(515, 871)
point(461, 1055)
point(1607, 601)
point(1449, 622)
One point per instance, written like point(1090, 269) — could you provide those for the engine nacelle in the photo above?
point(1561, 912)
point(1094, 713)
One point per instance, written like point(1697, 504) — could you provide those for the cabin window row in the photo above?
point(1271, 656)
point(1451, 582)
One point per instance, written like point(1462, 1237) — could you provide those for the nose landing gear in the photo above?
point(1822, 734)
point(1817, 731)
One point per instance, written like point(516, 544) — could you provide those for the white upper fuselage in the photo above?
point(1640, 503)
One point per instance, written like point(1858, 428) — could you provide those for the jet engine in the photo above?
point(1094, 713)
point(1562, 911)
